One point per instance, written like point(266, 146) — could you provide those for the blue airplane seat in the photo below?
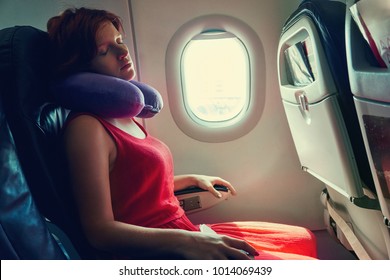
point(35, 123)
point(319, 106)
point(23, 230)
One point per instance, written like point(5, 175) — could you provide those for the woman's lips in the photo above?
point(126, 66)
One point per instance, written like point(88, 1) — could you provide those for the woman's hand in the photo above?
point(208, 182)
point(215, 247)
point(204, 182)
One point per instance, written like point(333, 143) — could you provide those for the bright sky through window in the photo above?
point(215, 71)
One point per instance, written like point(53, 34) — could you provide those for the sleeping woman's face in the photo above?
point(113, 56)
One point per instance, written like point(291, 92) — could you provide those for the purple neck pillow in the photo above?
point(107, 96)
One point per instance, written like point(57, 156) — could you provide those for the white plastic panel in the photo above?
point(323, 84)
point(314, 116)
point(323, 146)
point(374, 119)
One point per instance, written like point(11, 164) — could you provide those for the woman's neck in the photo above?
point(128, 125)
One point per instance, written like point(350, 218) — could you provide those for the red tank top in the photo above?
point(142, 180)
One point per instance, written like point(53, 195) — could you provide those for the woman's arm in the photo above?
point(202, 181)
point(91, 153)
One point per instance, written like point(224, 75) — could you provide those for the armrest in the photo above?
point(194, 199)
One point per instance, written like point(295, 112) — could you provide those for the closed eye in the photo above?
point(103, 52)
point(105, 48)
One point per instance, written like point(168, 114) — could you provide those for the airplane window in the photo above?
point(215, 77)
point(215, 73)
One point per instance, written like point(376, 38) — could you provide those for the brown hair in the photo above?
point(72, 35)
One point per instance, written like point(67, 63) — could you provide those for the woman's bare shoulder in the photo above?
point(86, 128)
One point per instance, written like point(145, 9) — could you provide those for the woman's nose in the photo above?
point(122, 51)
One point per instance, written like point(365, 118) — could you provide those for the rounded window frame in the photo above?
point(242, 124)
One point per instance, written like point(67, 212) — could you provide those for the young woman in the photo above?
point(123, 178)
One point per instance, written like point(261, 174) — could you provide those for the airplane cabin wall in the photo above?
point(262, 165)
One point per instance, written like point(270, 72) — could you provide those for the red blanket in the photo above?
point(273, 241)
